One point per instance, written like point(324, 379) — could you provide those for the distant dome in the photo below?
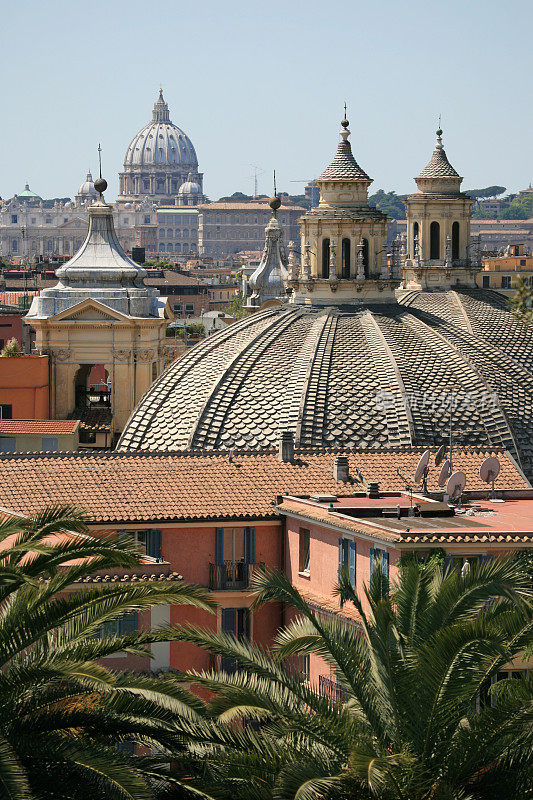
point(190, 186)
point(127, 205)
point(28, 194)
point(87, 189)
point(161, 142)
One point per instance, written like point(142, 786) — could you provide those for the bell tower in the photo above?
point(103, 329)
point(438, 228)
point(343, 239)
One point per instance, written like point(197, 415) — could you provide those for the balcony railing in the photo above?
point(232, 574)
point(331, 689)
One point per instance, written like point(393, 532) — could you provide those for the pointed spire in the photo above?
point(160, 112)
point(438, 165)
point(344, 167)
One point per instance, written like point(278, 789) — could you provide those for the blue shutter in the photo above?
point(385, 563)
point(340, 558)
point(249, 545)
point(352, 555)
point(219, 546)
point(154, 544)
point(128, 624)
point(229, 620)
point(246, 623)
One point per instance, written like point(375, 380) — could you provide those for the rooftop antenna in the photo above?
point(489, 471)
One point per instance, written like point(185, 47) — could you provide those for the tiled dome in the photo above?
point(361, 376)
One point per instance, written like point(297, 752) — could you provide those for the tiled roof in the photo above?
point(344, 167)
point(330, 605)
point(131, 577)
point(127, 487)
point(40, 427)
point(438, 166)
point(93, 419)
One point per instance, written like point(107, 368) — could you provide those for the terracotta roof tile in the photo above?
point(93, 419)
point(41, 427)
point(148, 486)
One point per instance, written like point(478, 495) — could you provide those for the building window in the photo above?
point(304, 551)
point(434, 241)
point(161, 233)
point(15, 246)
point(455, 241)
point(7, 444)
point(14, 219)
point(522, 262)
point(48, 220)
point(346, 258)
point(236, 621)
point(147, 219)
point(304, 667)
point(178, 307)
point(6, 411)
point(325, 258)
point(377, 554)
point(49, 444)
point(506, 282)
point(189, 308)
point(152, 543)
point(146, 185)
point(347, 559)
point(486, 281)
point(128, 623)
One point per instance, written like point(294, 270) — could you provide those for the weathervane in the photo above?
point(100, 183)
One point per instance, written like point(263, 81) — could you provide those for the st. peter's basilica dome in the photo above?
point(161, 142)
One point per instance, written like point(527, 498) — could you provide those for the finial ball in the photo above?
point(345, 123)
point(439, 132)
point(274, 203)
point(100, 185)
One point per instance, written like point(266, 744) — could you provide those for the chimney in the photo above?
point(286, 446)
point(341, 469)
point(372, 489)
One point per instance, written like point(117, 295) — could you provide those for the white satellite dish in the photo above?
point(489, 471)
point(421, 469)
point(440, 454)
point(456, 486)
point(445, 472)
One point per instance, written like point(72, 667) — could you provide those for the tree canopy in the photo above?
point(389, 202)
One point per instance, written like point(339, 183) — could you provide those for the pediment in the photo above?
point(77, 222)
point(90, 310)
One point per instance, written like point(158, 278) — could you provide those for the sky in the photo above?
point(261, 85)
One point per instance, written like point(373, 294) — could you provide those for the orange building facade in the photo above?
point(24, 387)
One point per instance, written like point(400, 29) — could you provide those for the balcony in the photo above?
point(332, 689)
point(232, 575)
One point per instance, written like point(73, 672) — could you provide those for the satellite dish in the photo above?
point(422, 466)
point(455, 486)
point(444, 474)
point(439, 455)
point(489, 470)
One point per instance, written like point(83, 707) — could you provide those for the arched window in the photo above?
point(455, 241)
point(169, 233)
point(416, 236)
point(365, 256)
point(161, 233)
point(345, 258)
point(161, 247)
point(434, 241)
point(170, 247)
point(325, 258)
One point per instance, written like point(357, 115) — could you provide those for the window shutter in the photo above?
point(128, 624)
point(371, 561)
point(385, 563)
point(229, 620)
point(219, 546)
point(340, 558)
point(244, 627)
point(249, 545)
point(154, 544)
point(352, 556)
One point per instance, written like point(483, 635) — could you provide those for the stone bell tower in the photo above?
point(343, 239)
point(438, 228)
point(99, 315)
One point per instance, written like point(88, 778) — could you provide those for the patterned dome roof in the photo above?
point(351, 376)
point(161, 142)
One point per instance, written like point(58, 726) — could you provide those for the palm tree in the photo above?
point(62, 712)
point(416, 721)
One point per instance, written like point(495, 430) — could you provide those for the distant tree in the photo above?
point(519, 208)
point(489, 191)
point(300, 200)
point(11, 349)
point(522, 301)
point(195, 329)
point(389, 203)
point(237, 306)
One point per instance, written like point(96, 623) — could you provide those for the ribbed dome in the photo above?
point(87, 189)
point(190, 186)
point(161, 142)
point(347, 376)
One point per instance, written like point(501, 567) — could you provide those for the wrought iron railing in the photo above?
point(232, 574)
point(332, 689)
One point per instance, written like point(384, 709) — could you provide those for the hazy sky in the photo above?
point(263, 83)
